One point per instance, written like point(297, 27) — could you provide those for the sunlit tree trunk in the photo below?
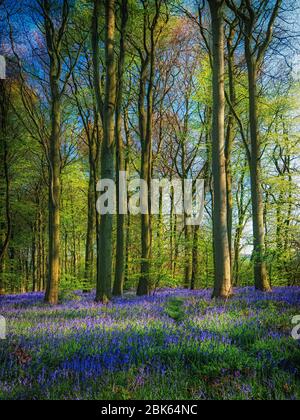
point(105, 250)
point(54, 36)
point(196, 258)
point(260, 267)
point(229, 139)
point(145, 118)
point(258, 20)
point(54, 192)
point(120, 162)
point(223, 286)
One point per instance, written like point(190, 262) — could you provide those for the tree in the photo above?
point(255, 50)
point(84, 98)
point(120, 161)
point(232, 43)
point(105, 258)
point(151, 31)
point(223, 287)
point(54, 38)
point(5, 173)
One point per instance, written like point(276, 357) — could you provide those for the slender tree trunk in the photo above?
point(33, 257)
point(146, 234)
point(223, 286)
point(255, 50)
point(44, 258)
point(146, 163)
point(4, 104)
point(120, 162)
point(104, 274)
point(176, 247)
point(54, 196)
point(287, 222)
point(279, 224)
point(172, 236)
point(127, 169)
point(260, 267)
point(229, 142)
point(91, 223)
point(146, 122)
point(196, 262)
point(74, 244)
point(188, 263)
point(39, 251)
point(146, 131)
point(54, 38)
point(236, 265)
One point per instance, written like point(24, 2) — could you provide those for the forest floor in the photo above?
point(175, 345)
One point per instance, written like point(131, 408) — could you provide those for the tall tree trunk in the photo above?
point(120, 162)
point(127, 170)
point(146, 231)
point(104, 273)
point(54, 33)
point(255, 50)
point(146, 164)
point(260, 267)
point(146, 131)
point(54, 193)
point(44, 258)
point(4, 104)
point(223, 286)
point(242, 211)
point(39, 249)
point(172, 235)
point(91, 223)
point(34, 257)
point(229, 140)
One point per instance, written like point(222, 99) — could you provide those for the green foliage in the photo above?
point(175, 310)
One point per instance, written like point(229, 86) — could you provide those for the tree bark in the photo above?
point(196, 262)
point(54, 38)
point(105, 249)
point(91, 223)
point(223, 286)
point(120, 162)
point(229, 140)
point(54, 194)
point(4, 104)
point(260, 267)
point(146, 165)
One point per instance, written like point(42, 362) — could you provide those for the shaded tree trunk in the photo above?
point(34, 257)
point(4, 104)
point(91, 223)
